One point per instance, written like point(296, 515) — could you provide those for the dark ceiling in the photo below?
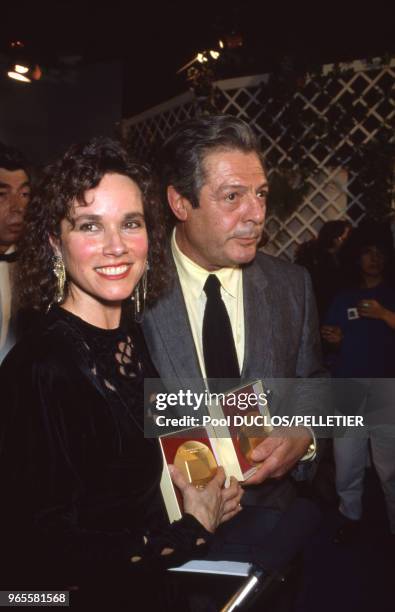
point(154, 39)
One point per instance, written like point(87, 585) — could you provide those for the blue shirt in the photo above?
point(368, 346)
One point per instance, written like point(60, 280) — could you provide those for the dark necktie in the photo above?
point(9, 257)
point(219, 349)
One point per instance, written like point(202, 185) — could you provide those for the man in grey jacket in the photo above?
point(214, 180)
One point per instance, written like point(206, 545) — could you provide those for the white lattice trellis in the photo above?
point(333, 190)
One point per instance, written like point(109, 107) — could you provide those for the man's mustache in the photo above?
point(247, 234)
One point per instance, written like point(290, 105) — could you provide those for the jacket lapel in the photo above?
point(177, 358)
point(258, 323)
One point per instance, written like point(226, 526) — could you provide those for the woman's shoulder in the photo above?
point(45, 374)
point(48, 343)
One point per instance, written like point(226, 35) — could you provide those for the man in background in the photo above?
point(14, 196)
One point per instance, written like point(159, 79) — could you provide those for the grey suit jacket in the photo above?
point(281, 332)
point(281, 342)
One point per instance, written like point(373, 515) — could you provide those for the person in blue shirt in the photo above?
point(360, 329)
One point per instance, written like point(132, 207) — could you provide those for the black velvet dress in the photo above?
point(79, 482)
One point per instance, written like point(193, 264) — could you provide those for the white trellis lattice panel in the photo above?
point(333, 188)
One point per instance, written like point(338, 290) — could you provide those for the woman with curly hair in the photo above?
point(81, 503)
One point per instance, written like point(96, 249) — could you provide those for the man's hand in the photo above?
point(278, 453)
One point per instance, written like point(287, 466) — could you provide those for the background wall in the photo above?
point(44, 117)
point(328, 138)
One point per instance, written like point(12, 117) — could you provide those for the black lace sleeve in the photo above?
point(173, 545)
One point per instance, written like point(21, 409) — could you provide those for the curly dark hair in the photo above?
point(370, 233)
point(64, 182)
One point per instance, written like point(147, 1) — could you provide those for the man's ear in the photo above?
point(178, 204)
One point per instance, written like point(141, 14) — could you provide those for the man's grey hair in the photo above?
point(183, 154)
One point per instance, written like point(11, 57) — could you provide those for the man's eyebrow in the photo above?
point(264, 185)
point(237, 185)
point(7, 185)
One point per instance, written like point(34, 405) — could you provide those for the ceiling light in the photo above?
point(18, 76)
point(22, 66)
point(21, 69)
point(25, 73)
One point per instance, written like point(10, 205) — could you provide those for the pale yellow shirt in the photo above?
point(192, 279)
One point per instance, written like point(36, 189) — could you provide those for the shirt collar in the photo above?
point(195, 276)
point(11, 249)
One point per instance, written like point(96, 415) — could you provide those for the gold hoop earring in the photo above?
point(60, 272)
